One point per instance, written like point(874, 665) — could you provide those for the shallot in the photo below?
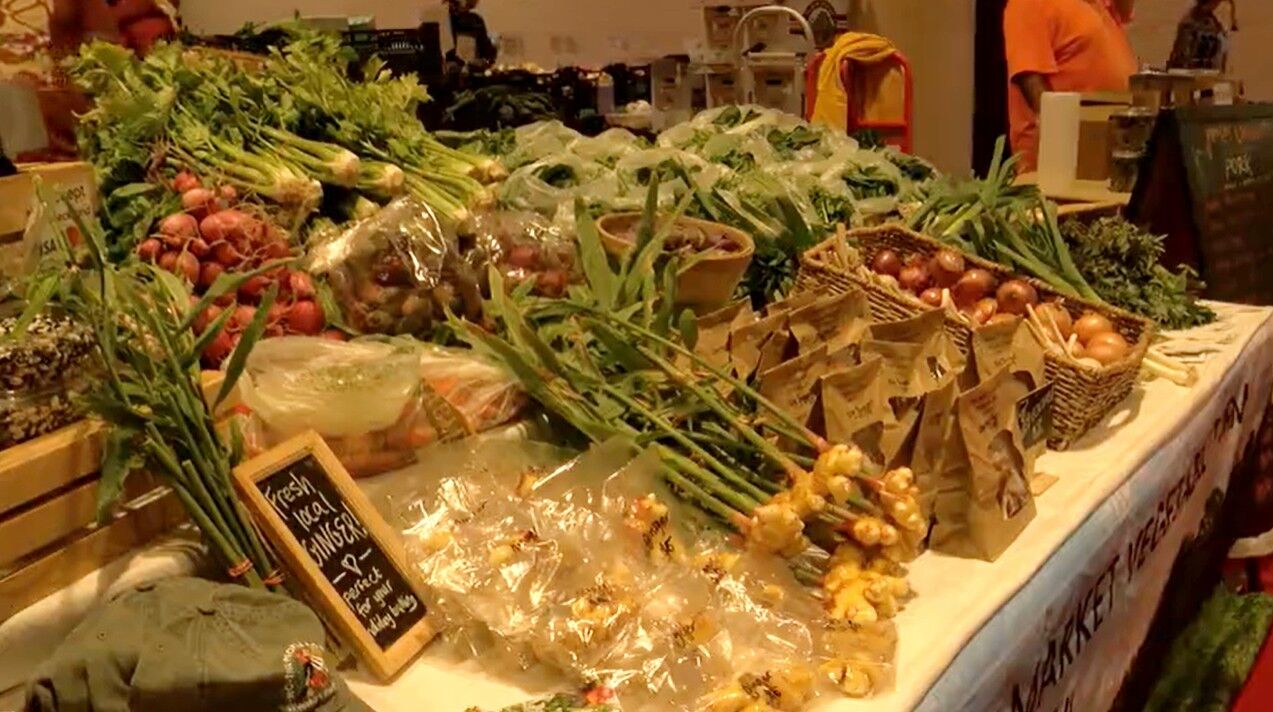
point(886, 262)
point(1091, 324)
point(1015, 295)
point(913, 278)
point(972, 287)
point(946, 267)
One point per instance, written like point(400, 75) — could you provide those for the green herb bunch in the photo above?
point(151, 393)
point(1003, 222)
point(616, 358)
point(1121, 262)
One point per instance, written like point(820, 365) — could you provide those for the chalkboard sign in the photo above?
point(339, 549)
point(1034, 415)
point(1207, 184)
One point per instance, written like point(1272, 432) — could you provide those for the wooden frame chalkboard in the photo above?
point(1207, 184)
point(339, 549)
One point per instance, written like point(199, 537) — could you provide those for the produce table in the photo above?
point(1082, 581)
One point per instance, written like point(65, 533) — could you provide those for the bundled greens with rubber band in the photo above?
point(151, 394)
point(1003, 222)
point(280, 131)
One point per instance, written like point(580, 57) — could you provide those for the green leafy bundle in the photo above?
point(151, 394)
point(280, 131)
point(1121, 262)
point(1003, 222)
point(1209, 662)
point(615, 358)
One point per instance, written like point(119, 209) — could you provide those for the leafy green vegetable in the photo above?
point(1210, 660)
point(1003, 222)
point(1121, 262)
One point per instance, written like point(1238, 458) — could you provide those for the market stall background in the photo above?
point(1179, 503)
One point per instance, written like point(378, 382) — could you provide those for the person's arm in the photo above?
point(1027, 39)
point(1032, 85)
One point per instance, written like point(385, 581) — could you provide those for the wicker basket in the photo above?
point(1083, 394)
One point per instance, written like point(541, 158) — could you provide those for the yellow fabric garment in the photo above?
point(832, 105)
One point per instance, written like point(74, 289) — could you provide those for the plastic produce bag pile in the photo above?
point(593, 569)
point(781, 179)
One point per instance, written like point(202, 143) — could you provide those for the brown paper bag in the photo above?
point(932, 440)
point(791, 385)
point(1010, 345)
point(1013, 347)
point(791, 303)
point(912, 331)
point(746, 341)
point(983, 498)
point(777, 349)
point(854, 409)
point(714, 330)
point(902, 367)
point(838, 322)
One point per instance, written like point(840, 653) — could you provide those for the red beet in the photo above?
point(149, 249)
point(335, 335)
point(301, 285)
point(225, 255)
point(243, 315)
point(208, 274)
point(199, 248)
point(277, 250)
point(206, 317)
point(188, 267)
point(305, 318)
point(229, 194)
point(219, 348)
point(253, 287)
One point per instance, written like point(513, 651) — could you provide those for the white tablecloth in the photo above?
point(976, 629)
point(1061, 611)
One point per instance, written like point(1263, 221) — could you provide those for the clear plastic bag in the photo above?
point(374, 400)
point(397, 271)
point(525, 245)
point(592, 567)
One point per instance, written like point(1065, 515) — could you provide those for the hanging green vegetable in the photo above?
point(151, 393)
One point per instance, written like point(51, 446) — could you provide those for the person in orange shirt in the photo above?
point(1061, 45)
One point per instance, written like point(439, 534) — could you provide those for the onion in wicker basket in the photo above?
point(1085, 391)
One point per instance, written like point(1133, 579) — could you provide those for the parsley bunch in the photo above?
point(1121, 262)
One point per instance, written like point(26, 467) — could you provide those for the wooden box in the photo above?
point(49, 533)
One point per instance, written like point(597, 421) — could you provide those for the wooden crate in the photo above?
point(49, 533)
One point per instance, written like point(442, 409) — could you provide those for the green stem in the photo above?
point(778, 457)
point(811, 438)
point(691, 446)
point(704, 499)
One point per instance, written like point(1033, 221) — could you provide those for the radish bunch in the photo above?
point(212, 236)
